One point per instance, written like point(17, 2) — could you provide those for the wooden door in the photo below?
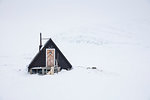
point(50, 57)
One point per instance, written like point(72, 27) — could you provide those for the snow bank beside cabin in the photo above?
point(122, 73)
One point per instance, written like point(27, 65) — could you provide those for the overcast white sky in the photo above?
point(21, 21)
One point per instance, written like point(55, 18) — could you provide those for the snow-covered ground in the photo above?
point(111, 35)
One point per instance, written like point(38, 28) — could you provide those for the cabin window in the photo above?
point(39, 71)
point(34, 71)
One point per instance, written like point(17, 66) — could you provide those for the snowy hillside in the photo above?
point(111, 35)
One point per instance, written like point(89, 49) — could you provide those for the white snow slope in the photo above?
point(112, 35)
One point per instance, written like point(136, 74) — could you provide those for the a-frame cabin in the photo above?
point(49, 60)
